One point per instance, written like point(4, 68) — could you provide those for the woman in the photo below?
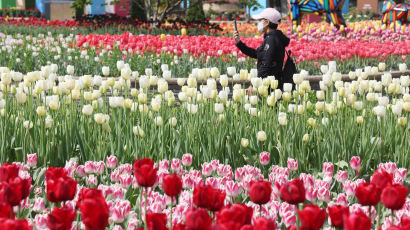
point(271, 53)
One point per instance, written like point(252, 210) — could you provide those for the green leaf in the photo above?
point(80, 143)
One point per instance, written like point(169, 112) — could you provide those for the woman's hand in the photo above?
point(236, 37)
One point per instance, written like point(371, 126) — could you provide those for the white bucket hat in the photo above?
point(270, 14)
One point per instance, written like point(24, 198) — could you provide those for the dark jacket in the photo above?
point(270, 54)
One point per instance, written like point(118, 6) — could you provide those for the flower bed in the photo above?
point(90, 117)
point(157, 195)
point(89, 53)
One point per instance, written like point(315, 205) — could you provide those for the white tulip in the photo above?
point(87, 110)
point(243, 74)
point(192, 108)
point(219, 108)
point(397, 109)
point(70, 70)
point(383, 101)
point(231, 70)
point(324, 69)
point(379, 111)
point(405, 81)
point(158, 121)
point(223, 80)
point(287, 87)
point(253, 111)
point(261, 136)
point(148, 72)
point(28, 124)
point(325, 121)
point(256, 82)
point(402, 67)
point(253, 73)
point(358, 105)
point(173, 121)
point(253, 100)
point(48, 122)
point(166, 74)
point(297, 78)
point(164, 67)
point(382, 66)
point(106, 70)
point(215, 72)
point(386, 79)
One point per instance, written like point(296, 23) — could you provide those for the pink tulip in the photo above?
point(264, 158)
point(176, 164)
point(292, 164)
point(111, 162)
point(355, 163)
point(328, 168)
point(187, 159)
point(32, 160)
point(341, 176)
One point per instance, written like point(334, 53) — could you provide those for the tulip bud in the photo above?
point(261, 136)
point(305, 138)
point(41, 111)
point(311, 122)
point(402, 121)
point(244, 142)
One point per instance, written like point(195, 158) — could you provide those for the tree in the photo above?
point(195, 11)
point(250, 5)
point(157, 10)
point(137, 12)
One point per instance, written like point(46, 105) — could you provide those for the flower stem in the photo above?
point(172, 202)
point(145, 209)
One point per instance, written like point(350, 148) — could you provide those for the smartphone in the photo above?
point(236, 27)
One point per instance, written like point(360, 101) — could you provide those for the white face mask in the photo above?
point(260, 26)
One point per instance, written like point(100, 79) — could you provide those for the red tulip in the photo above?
point(61, 218)
point(5, 210)
point(144, 172)
point(260, 192)
point(356, 221)
point(8, 171)
point(312, 217)
point(202, 195)
point(368, 194)
point(217, 200)
point(60, 187)
point(207, 197)
point(15, 190)
point(405, 222)
point(293, 192)
point(12, 224)
point(394, 196)
point(336, 213)
point(382, 179)
point(156, 221)
point(198, 219)
point(172, 184)
point(262, 223)
point(235, 214)
point(94, 209)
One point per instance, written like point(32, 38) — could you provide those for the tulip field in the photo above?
point(176, 131)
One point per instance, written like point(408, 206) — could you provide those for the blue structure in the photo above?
point(345, 8)
point(97, 7)
point(259, 10)
point(41, 6)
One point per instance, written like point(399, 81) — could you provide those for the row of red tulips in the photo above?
point(216, 46)
point(209, 209)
